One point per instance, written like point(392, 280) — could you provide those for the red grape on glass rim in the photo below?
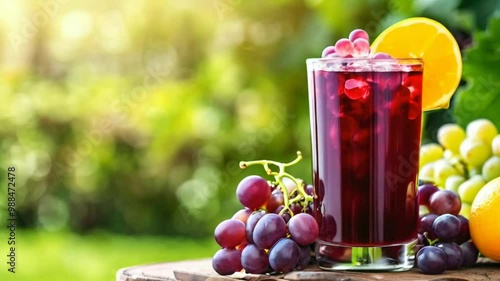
point(358, 33)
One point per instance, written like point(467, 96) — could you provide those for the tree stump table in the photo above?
point(201, 270)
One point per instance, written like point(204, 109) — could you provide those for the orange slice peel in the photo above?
point(432, 42)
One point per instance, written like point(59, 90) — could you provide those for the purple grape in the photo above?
point(425, 225)
point(424, 193)
point(253, 192)
point(242, 215)
point(278, 210)
point(254, 260)
point(464, 234)
point(296, 208)
point(303, 229)
point(304, 257)
point(310, 209)
point(431, 260)
point(309, 189)
point(284, 255)
point(421, 239)
point(328, 51)
point(269, 229)
point(286, 217)
point(469, 253)
point(453, 253)
point(446, 227)
point(227, 261)
point(230, 233)
point(445, 202)
point(251, 222)
point(241, 246)
point(358, 33)
point(277, 199)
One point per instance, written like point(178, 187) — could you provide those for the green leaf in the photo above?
point(480, 98)
point(442, 11)
point(481, 10)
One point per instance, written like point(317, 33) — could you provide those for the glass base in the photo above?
point(399, 257)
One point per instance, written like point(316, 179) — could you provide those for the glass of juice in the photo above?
point(365, 125)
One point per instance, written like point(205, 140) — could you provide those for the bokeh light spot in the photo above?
point(76, 25)
point(53, 213)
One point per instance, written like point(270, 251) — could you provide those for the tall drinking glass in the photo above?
point(365, 127)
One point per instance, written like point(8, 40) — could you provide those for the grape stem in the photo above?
point(279, 176)
point(431, 242)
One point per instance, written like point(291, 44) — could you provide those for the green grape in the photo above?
point(448, 154)
point(495, 145)
point(474, 152)
point(453, 182)
point(474, 171)
point(457, 163)
point(465, 210)
point(430, 152)
point(491, 168)
point(469, 188)
point(482, 129)
point(450, 136)
point(426, 173)
point(423, 210)
point(442, 170)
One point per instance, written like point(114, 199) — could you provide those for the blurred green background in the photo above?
point(126, 120)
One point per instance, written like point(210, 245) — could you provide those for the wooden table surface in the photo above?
point(201, 270)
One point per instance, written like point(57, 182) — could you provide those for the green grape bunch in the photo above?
point(463, 160)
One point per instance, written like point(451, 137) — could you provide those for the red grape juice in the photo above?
point(365, 127)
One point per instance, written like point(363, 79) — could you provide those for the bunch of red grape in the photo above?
point(274, 231)
point(443, 235)
point(356, 46)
